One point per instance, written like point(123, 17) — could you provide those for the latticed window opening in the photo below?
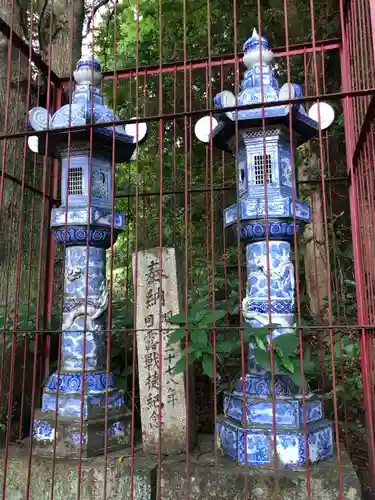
point(259, 169)
point(75, 181)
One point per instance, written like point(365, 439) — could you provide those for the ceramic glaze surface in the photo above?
point(270, 271)
point(289, 412)
point(260, 84)
point(70, 406)
point(290, 445)
point(266, 164)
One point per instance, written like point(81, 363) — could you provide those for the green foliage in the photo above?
point(202, 342)
point(122, 345)
point(208, 340)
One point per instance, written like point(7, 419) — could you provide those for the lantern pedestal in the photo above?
point(289, 410)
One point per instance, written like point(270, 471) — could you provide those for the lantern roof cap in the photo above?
point(87, 107)
point(260, 85)
point(254, 42)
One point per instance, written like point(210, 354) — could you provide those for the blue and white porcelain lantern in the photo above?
point(84, 225)
point(265, 162)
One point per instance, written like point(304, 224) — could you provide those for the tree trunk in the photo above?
point(315, 257)
point(64, 37)
point(21, 275)
point(13, 102)
point(18, 238)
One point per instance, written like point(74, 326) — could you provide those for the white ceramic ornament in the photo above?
point(33, 141)
point(252, 56)
point(286, 92)
point(323, 111)
point(134, 156)
point(39, 119)
point(204, 127)
point(228, 99)
point(133, 130)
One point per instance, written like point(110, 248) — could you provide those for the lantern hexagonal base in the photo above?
point(83, 215)
point(84, 225)
point(69, 438)
point(258, 384)
point(290, 443)
point(289, 412)
point(70, 405)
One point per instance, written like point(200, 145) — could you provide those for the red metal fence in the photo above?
point(173, 195)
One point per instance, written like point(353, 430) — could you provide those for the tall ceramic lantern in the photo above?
point(267, 221)
point(83, 224)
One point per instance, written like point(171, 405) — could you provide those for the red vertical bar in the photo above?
point(362, 317)
point(50, 257)
point(111, 255)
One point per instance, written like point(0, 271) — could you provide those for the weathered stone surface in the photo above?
point(118, 478)
point(209, 478)
point(158, 298)
point(222, 478)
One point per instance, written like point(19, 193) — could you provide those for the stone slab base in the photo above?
point(210, 478)
point(65, 480)
point(221, 478)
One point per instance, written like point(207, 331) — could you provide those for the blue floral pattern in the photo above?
point(257, 450)
point(69, 406)
point(276, 230)
point(43, 431)
point(290, 446)
point(72, 382)
point(279, 205)
point(260, 385)
point(289, 412)
point(98, 216)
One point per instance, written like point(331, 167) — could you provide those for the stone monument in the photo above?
point(164, 400)
point(74, 399)
point(264, 156)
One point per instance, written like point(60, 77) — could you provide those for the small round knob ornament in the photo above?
point(323, 113)
point(204, 127)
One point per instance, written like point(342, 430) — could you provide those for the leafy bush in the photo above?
point(210, 342)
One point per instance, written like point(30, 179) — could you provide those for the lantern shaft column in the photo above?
point(84, 264)
point(270, 287)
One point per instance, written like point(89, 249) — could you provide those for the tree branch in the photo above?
point(41, 16)
point(22, 18)
point(92, 13)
